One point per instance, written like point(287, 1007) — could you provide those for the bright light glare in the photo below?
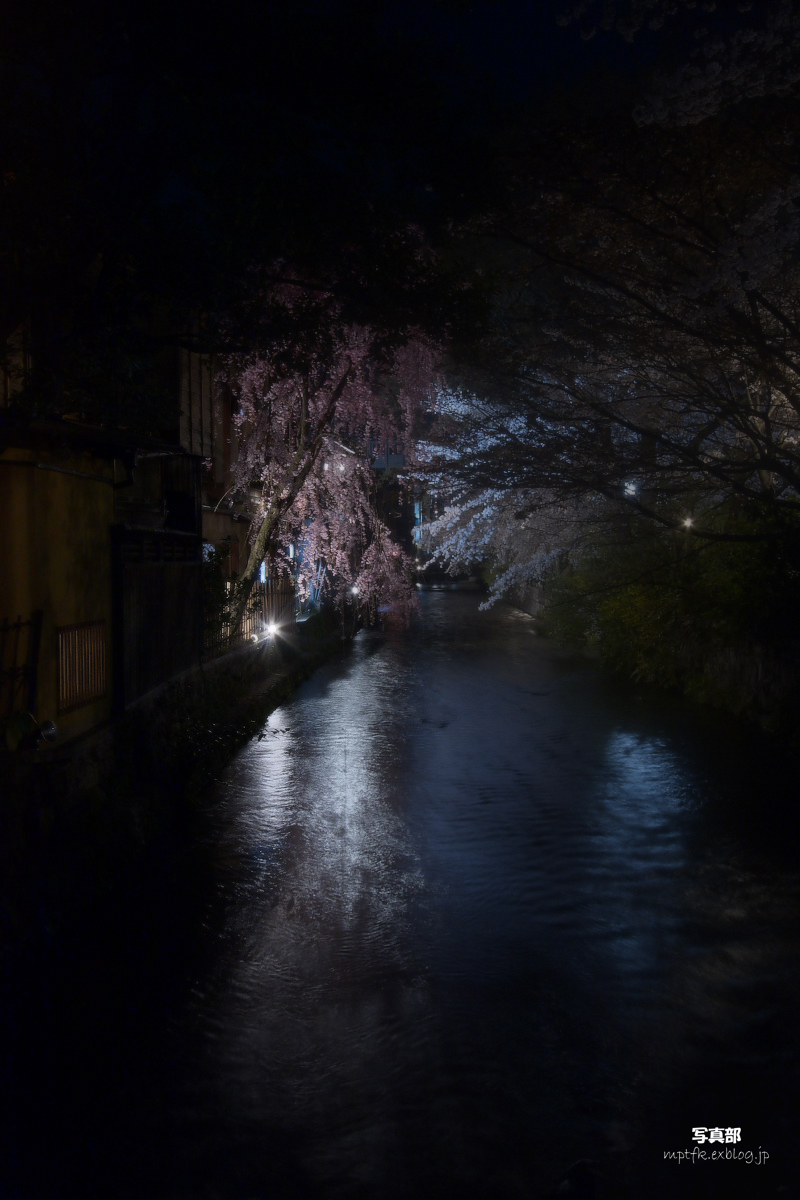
point(630, 489)
point(354, 591)
point(688, 521)
point(272, 630)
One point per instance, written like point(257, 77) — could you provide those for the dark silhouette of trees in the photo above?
point(626, 434)
point(645, 339)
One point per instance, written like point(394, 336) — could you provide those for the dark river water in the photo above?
point(469, 912)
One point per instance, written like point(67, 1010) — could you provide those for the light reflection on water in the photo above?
point(485, 912)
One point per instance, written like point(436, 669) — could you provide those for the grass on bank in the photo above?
point(717, 620)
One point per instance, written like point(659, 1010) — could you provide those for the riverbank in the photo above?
point(756, 682)
point(107, 797)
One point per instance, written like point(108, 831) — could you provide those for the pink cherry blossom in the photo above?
point(313, 409)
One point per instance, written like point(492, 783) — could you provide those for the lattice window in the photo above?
point(82, 664)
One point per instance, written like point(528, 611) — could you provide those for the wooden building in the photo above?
point(100, 561)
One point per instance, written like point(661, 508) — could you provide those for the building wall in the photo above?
point(207, 429)
point(158, 613)
point(196, 401)
point(56, 510)
point(227, 531)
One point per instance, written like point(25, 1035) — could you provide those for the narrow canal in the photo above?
point(468, 912)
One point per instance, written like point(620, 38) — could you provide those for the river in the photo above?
point(468, 912)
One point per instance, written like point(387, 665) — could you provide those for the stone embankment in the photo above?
point(123, 785)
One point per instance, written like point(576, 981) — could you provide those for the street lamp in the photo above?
point(264, 635)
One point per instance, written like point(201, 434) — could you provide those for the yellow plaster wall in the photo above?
point(55, 556)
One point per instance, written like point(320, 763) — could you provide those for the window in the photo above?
point(82, 664)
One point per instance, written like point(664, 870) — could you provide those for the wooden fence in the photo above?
point(270, 603)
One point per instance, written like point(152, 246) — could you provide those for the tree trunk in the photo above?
point(304, 459)
point(258, 553)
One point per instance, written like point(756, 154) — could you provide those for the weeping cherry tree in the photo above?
point(314, 404)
